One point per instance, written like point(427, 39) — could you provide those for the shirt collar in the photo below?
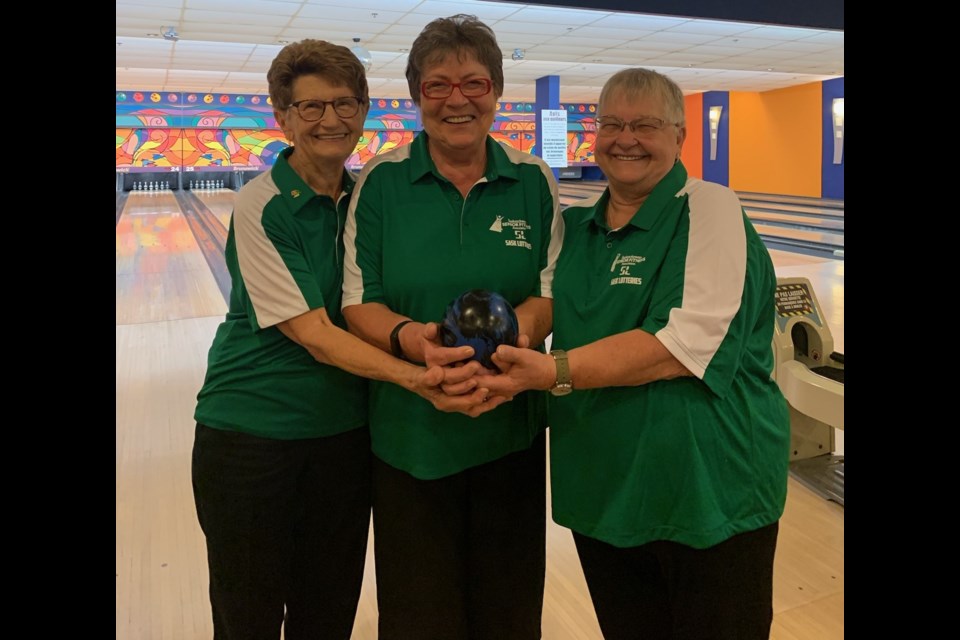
point(498, 163)
point(658, 200)
point(295, 192)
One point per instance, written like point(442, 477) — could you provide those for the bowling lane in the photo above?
point(161, 272)
point(573, 192)
point(219, 201)
point(582, 187)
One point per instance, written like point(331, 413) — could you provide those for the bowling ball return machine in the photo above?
point(810, 375)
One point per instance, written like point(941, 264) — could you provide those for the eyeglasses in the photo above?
point(312, 110)
point(475, 88)
point(643, 127)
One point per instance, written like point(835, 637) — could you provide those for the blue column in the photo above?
point(717, 170)
point(548, 97)
point(831, 175)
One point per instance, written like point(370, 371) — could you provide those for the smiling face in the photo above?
point(326, 142)
point(457, 124)
point(638, 161)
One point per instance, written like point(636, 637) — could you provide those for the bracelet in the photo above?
point(395, 347)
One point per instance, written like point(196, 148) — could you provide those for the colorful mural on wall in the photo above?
point(515, 125)
point(581, 133)
point(188, 110)
point(157, 148)
point(392, 114)
point(197, 131)
point(373, 143)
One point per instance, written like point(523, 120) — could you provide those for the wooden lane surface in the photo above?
point(161, 272)
point(211, 236)
point(219, 201)
point(823, 206)
point(824, 239)
point(817, 222)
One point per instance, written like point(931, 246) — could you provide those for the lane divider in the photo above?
point(211, 237)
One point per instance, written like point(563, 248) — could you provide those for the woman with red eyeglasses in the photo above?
point(458, 502)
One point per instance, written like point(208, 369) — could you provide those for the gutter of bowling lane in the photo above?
point(211, 237)
point(121, 203)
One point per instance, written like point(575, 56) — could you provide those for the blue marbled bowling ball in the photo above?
point(480, 319)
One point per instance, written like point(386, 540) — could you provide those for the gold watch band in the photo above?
point(564, 383)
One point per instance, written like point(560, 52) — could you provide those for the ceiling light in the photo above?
point(362, 53)
point(518, 54)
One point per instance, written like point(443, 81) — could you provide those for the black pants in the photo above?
point(286, 524)
point(669, 591)
point(462, 557)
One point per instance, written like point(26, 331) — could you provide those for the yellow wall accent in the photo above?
point(692, 153)
point(776, 141)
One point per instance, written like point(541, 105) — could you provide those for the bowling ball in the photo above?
point(480, 319)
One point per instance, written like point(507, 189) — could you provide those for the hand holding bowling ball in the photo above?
point(480, 319)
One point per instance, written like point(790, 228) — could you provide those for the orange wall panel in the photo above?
point(692, 153)
point(775, 141)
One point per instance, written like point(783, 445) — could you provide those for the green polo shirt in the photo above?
point(694, 460)
point(414, 244)
point(285, 255)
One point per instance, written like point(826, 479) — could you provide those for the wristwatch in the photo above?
point(564, 383)
point(395, 347)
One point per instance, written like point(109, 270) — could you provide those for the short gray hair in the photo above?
point(637, 82)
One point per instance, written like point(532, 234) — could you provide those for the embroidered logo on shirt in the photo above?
point(625, 263)
point(519, 227)
point(295, 193)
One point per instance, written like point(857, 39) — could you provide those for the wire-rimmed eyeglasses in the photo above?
point(473, 88)
point(312, 110)
point(642, 126)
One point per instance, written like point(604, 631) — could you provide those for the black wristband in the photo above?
point(395, 347)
